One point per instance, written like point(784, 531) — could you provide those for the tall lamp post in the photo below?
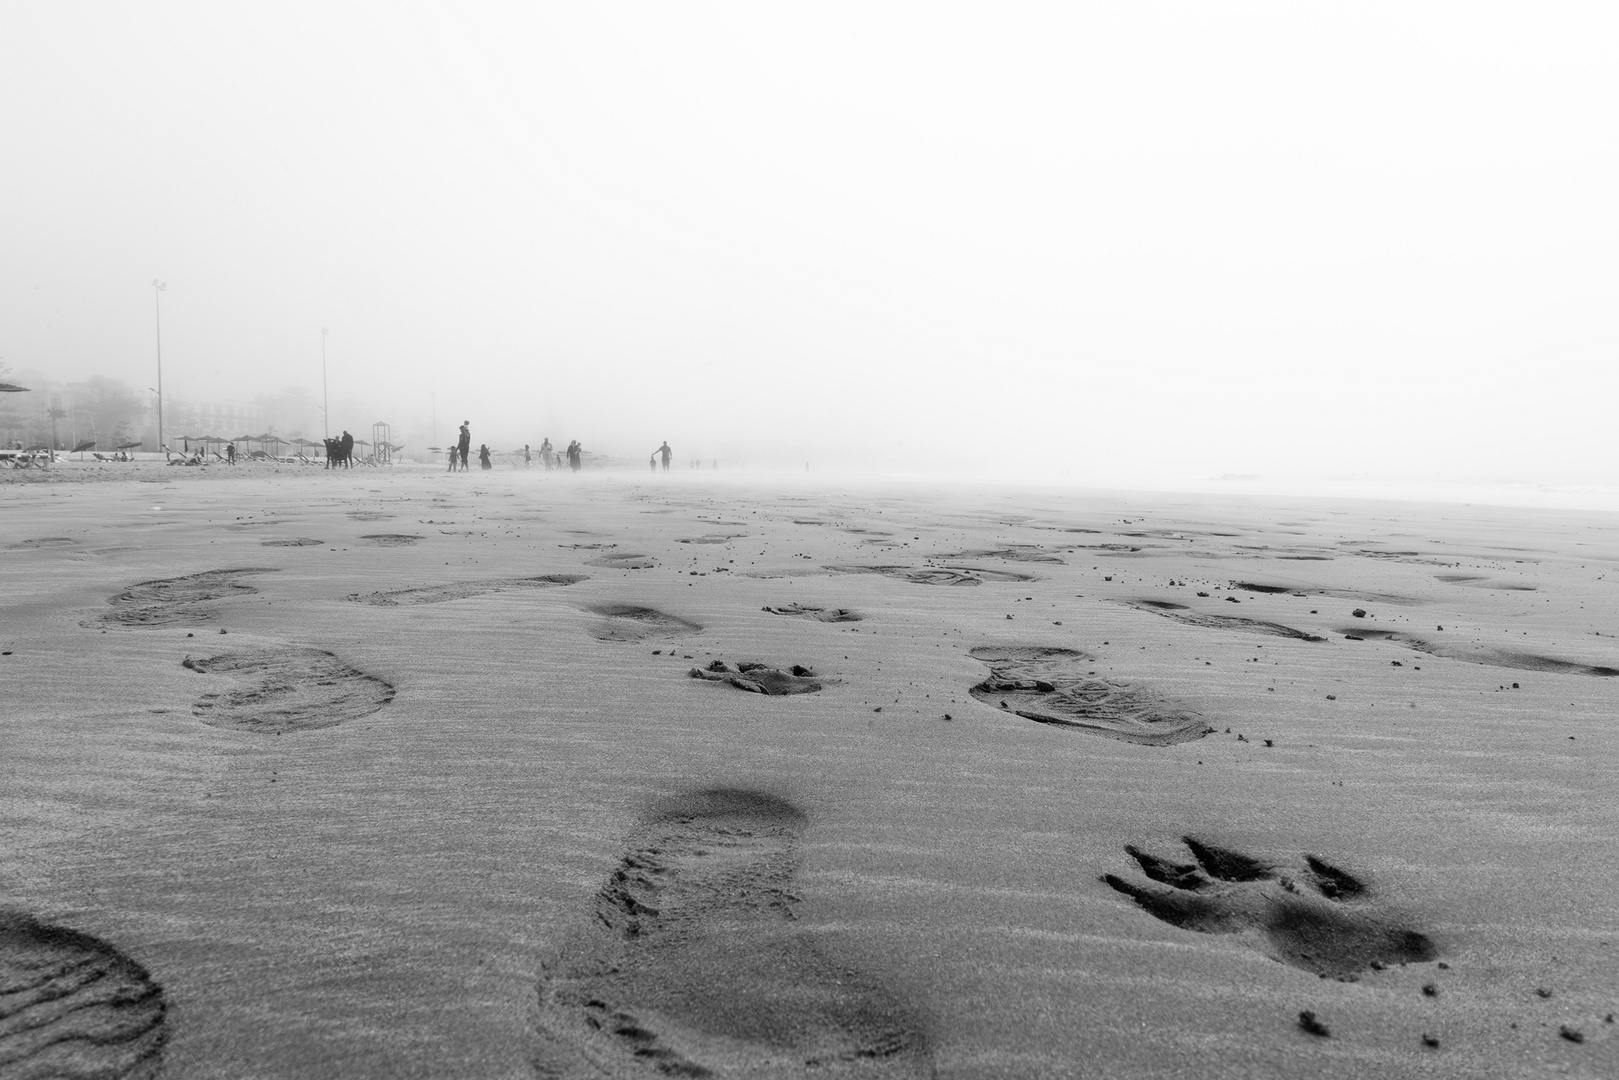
point(325, 416)
point(157, 307)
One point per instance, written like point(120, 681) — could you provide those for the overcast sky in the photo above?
point(1124, 240)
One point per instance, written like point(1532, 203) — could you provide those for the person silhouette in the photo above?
point(455, 458)
point(483, 456)
point(464, 443)
point(665, 453)
point(546, 452)
point(528, 459)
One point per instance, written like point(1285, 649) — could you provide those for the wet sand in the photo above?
point(399, 773)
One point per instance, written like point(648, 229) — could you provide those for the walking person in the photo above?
point(483, 456)
point(528, 459)
point(455, 458)
point(664, 452)
point(546, 453)
point(464, 443)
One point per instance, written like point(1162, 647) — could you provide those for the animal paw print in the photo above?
point(1322, 919)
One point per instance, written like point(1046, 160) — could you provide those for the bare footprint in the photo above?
point(1330, 927)
point(72, 1006)
point(1049, 685)
point(694, 968)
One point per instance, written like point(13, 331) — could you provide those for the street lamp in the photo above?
point(157, 307)
point(325, 404)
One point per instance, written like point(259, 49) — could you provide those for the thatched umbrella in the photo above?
point(12, 388)
point(87, 444)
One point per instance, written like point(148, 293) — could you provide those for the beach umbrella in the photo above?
point(128, 445)
point(12, 388)
point(87, 444)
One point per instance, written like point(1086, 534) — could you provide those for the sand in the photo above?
point(396, 773)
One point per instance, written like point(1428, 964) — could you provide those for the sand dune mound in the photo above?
point(694, 967)
point(287, 689)
point(631, 622)
point(178, 601)
point(1182, 614)
point(74, 1007)
point(1333, 927)
point(461, 590)
point(1047, 685)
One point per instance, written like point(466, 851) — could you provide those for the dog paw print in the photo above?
point(1316, 917)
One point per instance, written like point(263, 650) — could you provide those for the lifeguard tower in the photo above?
point(382, 443)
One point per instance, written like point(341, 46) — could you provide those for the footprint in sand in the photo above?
point(461, 590)
point(1329, 926)
point(286, 689)
point(623, 560)
point(1182, 614)
point(932, 575)
point(759, 678)
point(43, 543)
point(1483, 654)
point(818, 614)
point(630, 622)
point(72, 1006)
point(1047, 685)
point(392, 539)
point(178, 601)
point(1015, 553)
point(694, 967)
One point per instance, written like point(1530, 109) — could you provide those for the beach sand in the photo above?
point(395, 773)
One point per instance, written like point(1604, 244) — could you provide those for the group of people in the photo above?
point(552, 460)
point(340, 451)
point(461, 451)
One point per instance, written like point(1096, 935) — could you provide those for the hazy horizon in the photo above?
point(1120, 243)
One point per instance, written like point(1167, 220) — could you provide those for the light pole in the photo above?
point(325, 417)
point(157, 308)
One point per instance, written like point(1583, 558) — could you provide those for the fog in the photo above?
point(1114, 243)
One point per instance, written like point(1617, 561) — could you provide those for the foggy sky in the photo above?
point(1126, 241)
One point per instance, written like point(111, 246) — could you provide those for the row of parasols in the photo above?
point(265, 441)
point(203, 442)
